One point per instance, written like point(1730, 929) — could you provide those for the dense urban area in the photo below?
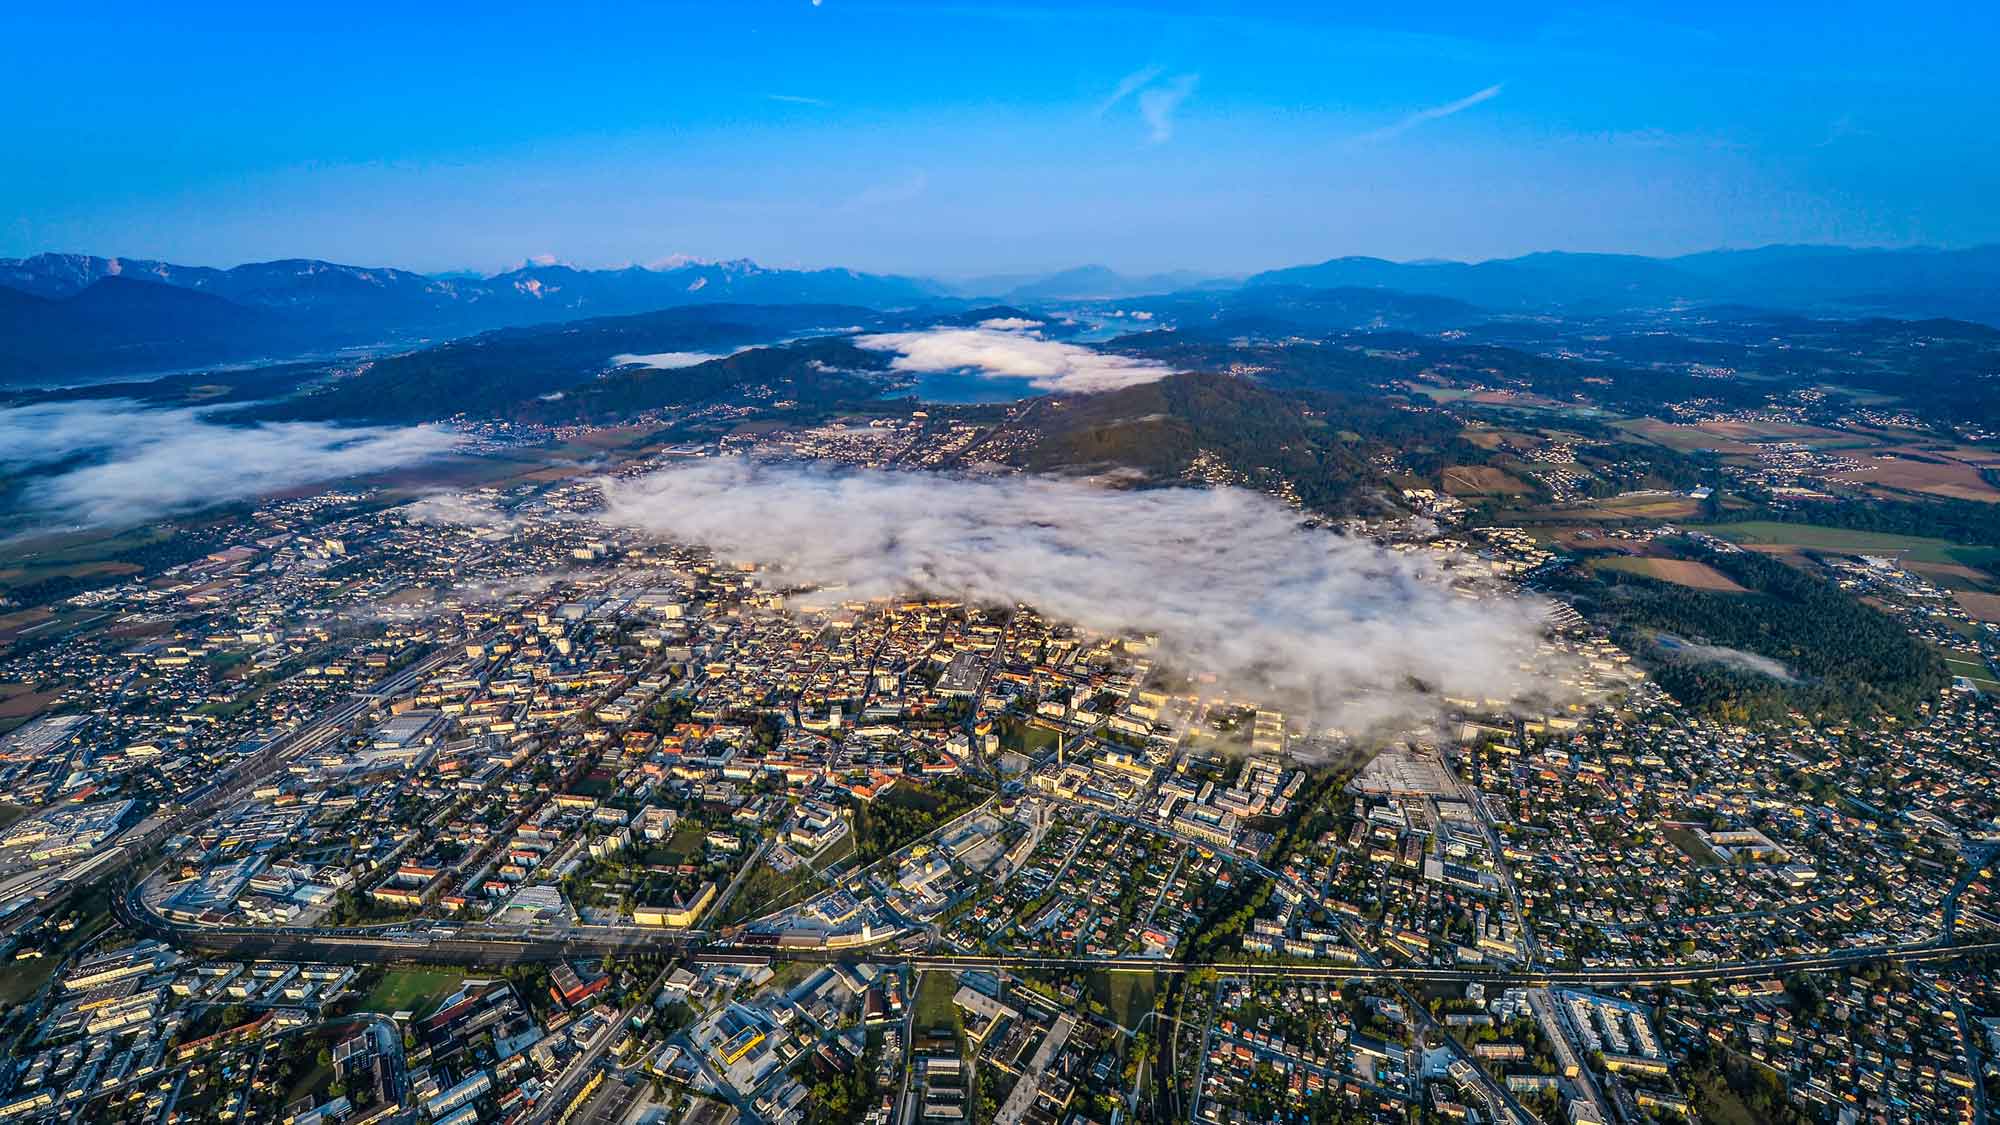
point(434, 794)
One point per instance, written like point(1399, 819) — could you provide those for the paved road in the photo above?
point(1975, 859)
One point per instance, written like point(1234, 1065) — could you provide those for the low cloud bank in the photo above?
point(1005, 352)
point(114, 462)
point(669, 361)
point(452, 509)
point(1696, 652)
point(1340, 629)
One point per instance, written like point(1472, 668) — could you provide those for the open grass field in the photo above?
point(1980, 607)
point(787, 975)
point(1681, 572)
point(685, 845)
point(20, 701)
point(1740, 438)
point(1724, 1107)
point(611, 437)
point(73, 548)
point(1665, 506)
point(835, 852)
point(1864, 397)
point(21, 979)
point(934, 1006)
point(1804, 536)
point(1691, 845)
point(1934, 473)
point(310, 1084)
point(1127, 996)
point(1774, 430)
point(1972, 670)
point(11, 624)
point(1479, 480)
point(23, 575)
point(1683, 438)
point(1662, 507)
point(1525, 437)
point(766, 889)
point(1503, 399)
point(413, 990)
point(1028, 738)
point(1438, 393)
point(1954, 576)
point(914, 797)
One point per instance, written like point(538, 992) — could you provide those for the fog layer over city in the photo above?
point(1230, 581)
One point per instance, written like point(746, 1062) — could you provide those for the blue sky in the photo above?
point(957, 139)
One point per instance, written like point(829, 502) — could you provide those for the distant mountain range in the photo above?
point(1964, 284)
point(398, 300)
point(74, 316)
point(117, 324)
point(1086, 283)
point(98, 316)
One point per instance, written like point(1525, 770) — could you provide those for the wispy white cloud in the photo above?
point(1337, 628)
point(797, 99)
point(455, 509)
point(1434, 113)
point(1127, 86)
point(1157, 99)
point(1158, 104)
point(1048, 365)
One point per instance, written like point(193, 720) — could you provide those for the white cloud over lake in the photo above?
point(116, 462)
point(1003, 352)
point(667, 361)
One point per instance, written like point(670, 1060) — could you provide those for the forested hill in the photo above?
point(1846, 659)
point(496, 373)
point(119, 324)
point(814, 376)
point(1318, 443)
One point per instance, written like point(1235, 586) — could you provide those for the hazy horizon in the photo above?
point(963, 276)
point(905, 138)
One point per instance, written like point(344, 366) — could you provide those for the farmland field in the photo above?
point(1926, 471)
point(1978, 674)
point(1766, 533)
point(1739, 438)
point(1479, 480)
point(1658, 506)
point(1681, 572)
point(1981, 607)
